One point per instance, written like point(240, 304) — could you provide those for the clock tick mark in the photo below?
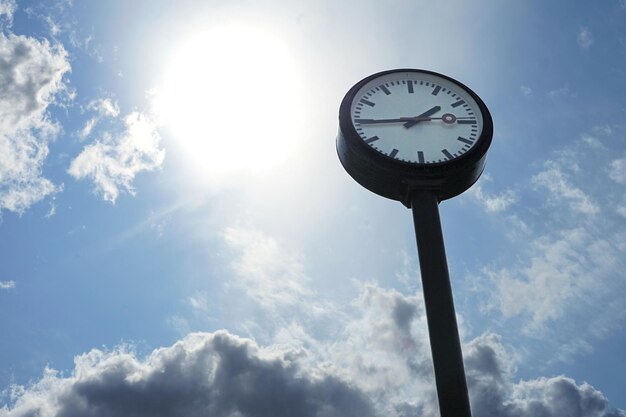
point(393, 153)
point(369, 103)
point(372, 139)
point(410, 86)
point(464, 140)
point(385, 90)
point(447, 153)
point(420, 157)
point(458, 103)
point(436, 90)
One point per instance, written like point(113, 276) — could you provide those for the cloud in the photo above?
point(220, 374)
point(7, 9)
point(555, 180)
point(561, 271)
point(621, 207)
point(6, 285)
point(562, 92)
point(526, 91)
point(570, 260)
point(593, 142)
point(585, 38)
point(490, 202)
point(203, 374)
point(617, 171)
point(490, 374)
point(31, 79)
point(103, 108)
point(270, 273)
point(113, 161)
point(392, 327)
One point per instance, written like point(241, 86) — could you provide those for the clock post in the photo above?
point(442, 327)
point(420, 137)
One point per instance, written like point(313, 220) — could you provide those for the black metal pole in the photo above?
point(442, 328)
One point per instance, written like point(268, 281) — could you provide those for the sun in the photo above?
point(230, 98)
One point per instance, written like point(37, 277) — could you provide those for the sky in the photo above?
point(178, 237)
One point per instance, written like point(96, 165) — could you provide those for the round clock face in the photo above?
point(416, 117)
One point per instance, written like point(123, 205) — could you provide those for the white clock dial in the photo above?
point(416, 117)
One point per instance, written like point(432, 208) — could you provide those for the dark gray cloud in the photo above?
point(202, 375)
point(493, 394)
point(381, 368)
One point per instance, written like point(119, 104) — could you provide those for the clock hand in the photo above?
point(424, 116)
point(373, 121)
point(447, 118)
point(439, 118)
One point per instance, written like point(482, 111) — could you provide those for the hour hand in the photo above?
point(422, 117)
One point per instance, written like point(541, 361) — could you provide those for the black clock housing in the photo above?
point(397, 179)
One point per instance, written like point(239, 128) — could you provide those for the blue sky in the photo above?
point(178, 237)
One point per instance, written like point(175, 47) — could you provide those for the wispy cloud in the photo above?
point(570, 260)
point(492, 203)
point(7, 9)
point(561, 271)
point(7, 285)
point(113, 161)
point(585, 38)
point(267, 270)
point(555, 180)
point(617, 171)
point(102, 108)
point(526, 91)
point(561, 92)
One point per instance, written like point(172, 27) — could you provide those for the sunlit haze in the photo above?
point(231, 96)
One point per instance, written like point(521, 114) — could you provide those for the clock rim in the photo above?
point(350, 134)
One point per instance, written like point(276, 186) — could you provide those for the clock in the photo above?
point(407, 129)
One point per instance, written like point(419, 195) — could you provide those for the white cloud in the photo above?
point(562, 92)
point(7, 9)
point(113, 161)
point(555, 180)
point(6, 285)
point(585, 38)
point(556, 286)
point(555, 276)
point(617, 171)
point(569, 260)
point(30, 81)
point(267, 270)
point(492, 203)
point(526, 91)
point(593, 142)
point(87, 128)
point(621, 208)
point(103, 108)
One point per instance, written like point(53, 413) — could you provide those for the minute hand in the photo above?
point(374, 121)
point(421, 117)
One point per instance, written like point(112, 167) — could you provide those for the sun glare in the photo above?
point(230, 99)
